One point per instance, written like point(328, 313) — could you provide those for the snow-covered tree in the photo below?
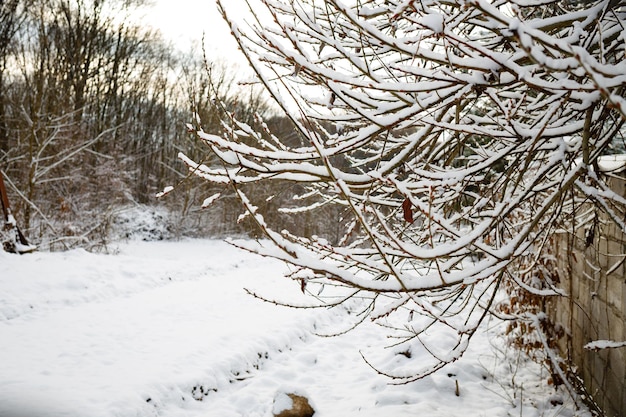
point(88, 109)
point(455, 135)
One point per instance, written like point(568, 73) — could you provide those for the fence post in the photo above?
point(17, 242)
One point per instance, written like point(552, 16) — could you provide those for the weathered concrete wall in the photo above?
point(593, 273)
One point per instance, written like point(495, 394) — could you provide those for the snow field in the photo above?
point(167, 329)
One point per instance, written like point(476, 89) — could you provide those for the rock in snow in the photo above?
point(292, 405)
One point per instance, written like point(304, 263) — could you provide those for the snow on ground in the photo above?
point(167, 329)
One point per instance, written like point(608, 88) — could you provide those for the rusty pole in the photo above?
point(18, 242)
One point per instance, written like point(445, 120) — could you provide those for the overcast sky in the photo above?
point(185, 21)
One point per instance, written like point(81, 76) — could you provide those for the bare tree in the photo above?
point(89, 110)
point(11, 16)
point(452, 134)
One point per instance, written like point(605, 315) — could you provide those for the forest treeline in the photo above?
point(93, 108)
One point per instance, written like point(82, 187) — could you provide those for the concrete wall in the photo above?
point(595, 278)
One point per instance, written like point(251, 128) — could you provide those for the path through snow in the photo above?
point(166, 329)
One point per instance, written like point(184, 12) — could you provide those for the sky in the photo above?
point(186, 21)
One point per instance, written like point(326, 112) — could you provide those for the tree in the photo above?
point(11, 16)
point(88, 114)
point(457, 136)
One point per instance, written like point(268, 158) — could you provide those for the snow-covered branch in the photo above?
point(450, 130)
point(604, 344)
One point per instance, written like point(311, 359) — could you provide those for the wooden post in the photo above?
point(17, 242)
point(4, 200)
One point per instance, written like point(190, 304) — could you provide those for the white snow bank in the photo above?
point(166, 329)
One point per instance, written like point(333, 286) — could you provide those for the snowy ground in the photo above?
point(166, 329)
